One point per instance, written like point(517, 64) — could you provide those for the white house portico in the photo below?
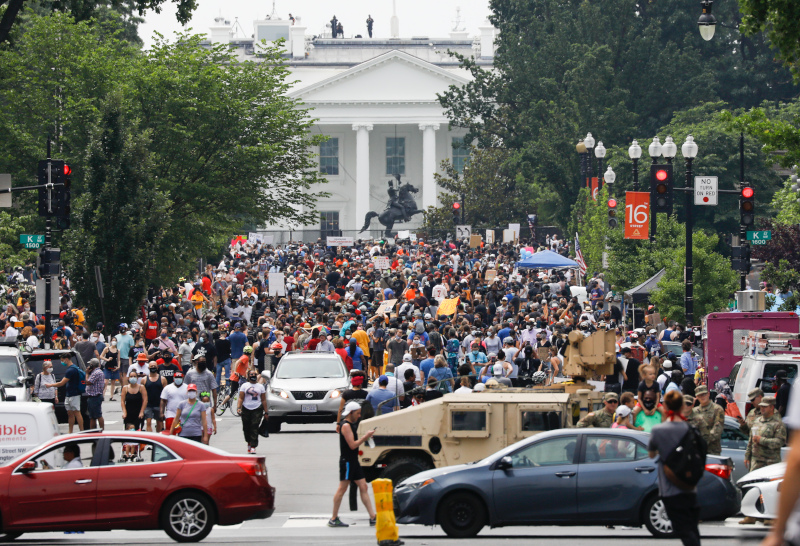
point(376, 101)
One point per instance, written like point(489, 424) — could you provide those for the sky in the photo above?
point(417, 17)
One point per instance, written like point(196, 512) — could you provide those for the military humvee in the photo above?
point(461, 428)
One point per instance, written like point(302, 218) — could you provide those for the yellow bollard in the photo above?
point(386, 526)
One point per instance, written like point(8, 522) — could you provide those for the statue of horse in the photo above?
point(400, 209)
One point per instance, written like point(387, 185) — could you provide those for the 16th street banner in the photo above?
point(637, 215)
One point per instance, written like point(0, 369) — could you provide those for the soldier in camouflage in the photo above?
point(605, 417)
point(767, 437)
point(714, 417)
point(691, 418)
point(754, 397)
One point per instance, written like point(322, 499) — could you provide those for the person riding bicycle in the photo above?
point(239, 372)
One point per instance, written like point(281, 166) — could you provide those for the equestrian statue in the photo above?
point(400, 209)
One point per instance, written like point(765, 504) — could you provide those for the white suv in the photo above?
point(306, 388)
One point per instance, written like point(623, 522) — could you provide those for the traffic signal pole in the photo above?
point(742, 228)
point(48, 240)
point(688, 300)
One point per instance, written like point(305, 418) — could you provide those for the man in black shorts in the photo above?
point(349, 468)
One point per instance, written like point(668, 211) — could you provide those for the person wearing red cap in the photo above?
point(190, 417)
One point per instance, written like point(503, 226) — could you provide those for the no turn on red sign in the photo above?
point(705, 190)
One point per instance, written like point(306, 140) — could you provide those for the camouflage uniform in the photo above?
point(597, 419)
point(698, 422)
point(714, 417)
point(768, 449)
point(754, 414)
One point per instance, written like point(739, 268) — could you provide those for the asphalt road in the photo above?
point(302, 463)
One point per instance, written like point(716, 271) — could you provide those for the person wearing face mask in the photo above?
point(134, 401)
point(185, 352)
point(171, 396)
point(111, 357)
point(191, 416)
point(164, 343)
point(40, 389)
point(646, 416)
point(125, 343)
point(202, 377)
point(154, 384)
point(252, 406)
point(397, 347)
point(205, 347)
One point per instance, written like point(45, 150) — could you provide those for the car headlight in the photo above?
point(418, 485)
point(280, 392)
point(335, 394)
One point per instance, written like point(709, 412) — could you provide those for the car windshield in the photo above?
point(9, 371)
point(301, 368)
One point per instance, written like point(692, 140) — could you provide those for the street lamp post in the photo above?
point(635, 152)
point(689, 152)
point(600, 153)
point(581, 149)
point(655, 152)
point(707, 23)
point(588, 141)
point(610, 176)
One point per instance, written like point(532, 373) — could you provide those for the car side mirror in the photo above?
point(27, 466)
point(505, 463)
point(266, 374)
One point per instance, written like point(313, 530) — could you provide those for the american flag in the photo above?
point(579, 256)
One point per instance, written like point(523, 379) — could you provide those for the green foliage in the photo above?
point(779, 18)
point(225, 147)
point(782, 269)
point(593, 229)
point(785, 205)
point(776, 126)
point(11, 255)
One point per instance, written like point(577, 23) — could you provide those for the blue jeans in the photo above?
point(226, 366)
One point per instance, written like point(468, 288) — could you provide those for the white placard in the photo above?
point(508, 236)
point(381, 262)
point(277, 284)
point(340, 241)
point(267, 239)
point(463, 232)
point(413, 237)
point(403, 234)
point(705, 190)
point(263, 267)
point(489, 236)
point(515, 229)
point(253, 237)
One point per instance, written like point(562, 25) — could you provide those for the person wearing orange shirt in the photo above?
point(362, 338)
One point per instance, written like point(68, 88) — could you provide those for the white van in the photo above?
point(23, 426)
point(765, 353)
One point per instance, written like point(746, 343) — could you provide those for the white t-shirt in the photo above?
point(174, 395)
point(140, 368)
point(462, 390)
point(252, 395)
point(401, 372)
point(395, 386)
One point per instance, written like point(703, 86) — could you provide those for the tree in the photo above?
point(121, 218)
point(779, 19)
point(782, 269)
point(11, 255)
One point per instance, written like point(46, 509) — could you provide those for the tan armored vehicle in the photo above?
point(461, 428)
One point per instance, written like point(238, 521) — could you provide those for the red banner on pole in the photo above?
point(637, 215)
point(595, 189)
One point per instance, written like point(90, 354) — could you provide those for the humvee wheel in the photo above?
point(461, 515)
point(404, 467)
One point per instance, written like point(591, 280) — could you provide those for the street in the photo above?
point(302, 465)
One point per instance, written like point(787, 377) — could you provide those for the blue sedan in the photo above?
point(586, 476)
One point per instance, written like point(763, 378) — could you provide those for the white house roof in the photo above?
point(394, 76)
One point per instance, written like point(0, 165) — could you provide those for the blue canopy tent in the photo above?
point(547, 259)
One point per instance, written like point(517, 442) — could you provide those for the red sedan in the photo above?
point(105, 481)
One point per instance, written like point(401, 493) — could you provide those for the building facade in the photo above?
point(376, 100)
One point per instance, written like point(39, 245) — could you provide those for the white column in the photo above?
point(362, 171)
point(429, 194)
point(297, 42)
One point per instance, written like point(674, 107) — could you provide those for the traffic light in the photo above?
point(60, 197)
point(661, 188)
point(612, 213)
point(49, 262)
point(456, 212)
point(741, 258)
point(63, 206)
point(747, 206)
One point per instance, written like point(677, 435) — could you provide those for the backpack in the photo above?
point(684, 467)
point(81, 381)
point(367, 410)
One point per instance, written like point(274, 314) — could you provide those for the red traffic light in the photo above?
point(661, 175)
point(67, 170)
point(747, 192)
point(456, 205)
point(612, 203)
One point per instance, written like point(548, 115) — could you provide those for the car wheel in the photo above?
point(274, 425)
point(187, 517)
point(461, 515)
point(400, 469)
point(656, 519)
point(9, 537)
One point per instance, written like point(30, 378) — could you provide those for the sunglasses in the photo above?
point(612, 402)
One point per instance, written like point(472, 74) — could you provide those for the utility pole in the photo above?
point(742, 228)
point(48, 239)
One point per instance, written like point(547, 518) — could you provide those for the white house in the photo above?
point(376, 100)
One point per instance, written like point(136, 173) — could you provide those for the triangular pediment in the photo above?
point(393, 76)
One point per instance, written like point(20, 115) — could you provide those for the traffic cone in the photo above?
point(385, 526)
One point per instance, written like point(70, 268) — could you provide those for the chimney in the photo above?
point(487, 40)
point(297, 35)
point(221, 31)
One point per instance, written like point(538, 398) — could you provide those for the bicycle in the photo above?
point(224, 403)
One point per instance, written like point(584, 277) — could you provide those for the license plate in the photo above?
point(308, 408)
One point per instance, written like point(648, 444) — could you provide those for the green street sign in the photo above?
point(25, 239)
point(758, 242)
point(759, 235)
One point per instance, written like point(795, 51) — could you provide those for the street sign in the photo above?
point(31, 241)
point(759, 236)
point(705, 190)
point(637, 215)
point(758, 242)
point(463, 232)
